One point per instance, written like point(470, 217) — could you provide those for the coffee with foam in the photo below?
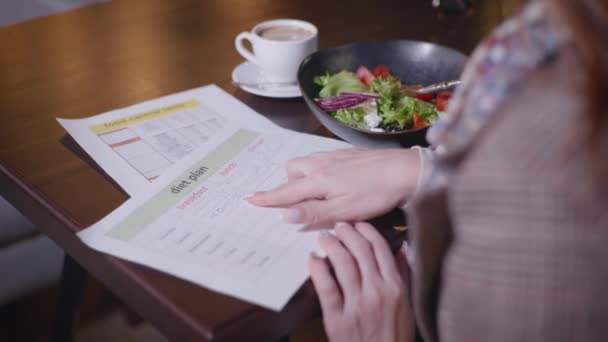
point(285, 33)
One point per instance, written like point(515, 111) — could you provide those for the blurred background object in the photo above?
point(28, 260)
point(453, 6)
point(13, 11)
point(30, 263)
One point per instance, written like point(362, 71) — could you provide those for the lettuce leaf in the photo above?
point(322, 80)
point(344, 81)
point(389, 107)
point(388, 87)
point(351, 116)
point(396, 108)
point(426, 110)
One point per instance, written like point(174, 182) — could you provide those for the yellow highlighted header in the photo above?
point(137, 118)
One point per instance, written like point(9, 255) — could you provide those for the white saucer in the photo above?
point(250, 73)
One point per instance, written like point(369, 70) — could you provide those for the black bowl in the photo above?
point(414, 62)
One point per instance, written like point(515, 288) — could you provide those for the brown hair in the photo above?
point(588, 22)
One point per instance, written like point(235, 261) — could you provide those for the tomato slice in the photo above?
point(445, 94)
point(365, 75)
point(441, 103)
point(424, 96)
point(381, 71)
point(419, 122)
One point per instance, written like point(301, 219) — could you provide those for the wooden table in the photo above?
point(111, 55)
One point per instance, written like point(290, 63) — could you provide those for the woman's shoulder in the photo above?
point(497, 69)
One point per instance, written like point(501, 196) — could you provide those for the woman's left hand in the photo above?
point(367, 300)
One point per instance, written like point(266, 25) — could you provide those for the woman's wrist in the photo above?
point(406, 173)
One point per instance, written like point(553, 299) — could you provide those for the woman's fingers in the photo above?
point(327, 210)
point(299, 167)
point(343, 264)
point(328, 291)
point(403, 265)
point(317, 211)
point(382, 251)
point(287, 194)
point(307, 212)
point(360, 248)
point(305, 166)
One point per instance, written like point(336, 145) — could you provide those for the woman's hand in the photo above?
point(367, 300)
point(344, 185)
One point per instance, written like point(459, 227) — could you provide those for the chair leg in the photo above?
point(68, 302)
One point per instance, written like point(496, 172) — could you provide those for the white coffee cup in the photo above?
point(279, 46)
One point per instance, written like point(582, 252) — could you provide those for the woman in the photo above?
point(509, 208)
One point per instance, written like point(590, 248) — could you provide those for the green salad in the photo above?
point(375, 101)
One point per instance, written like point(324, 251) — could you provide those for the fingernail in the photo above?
point(341, 224)
point(315, 256)
point(324, 233)
point(248, 196)
point(292, 215)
